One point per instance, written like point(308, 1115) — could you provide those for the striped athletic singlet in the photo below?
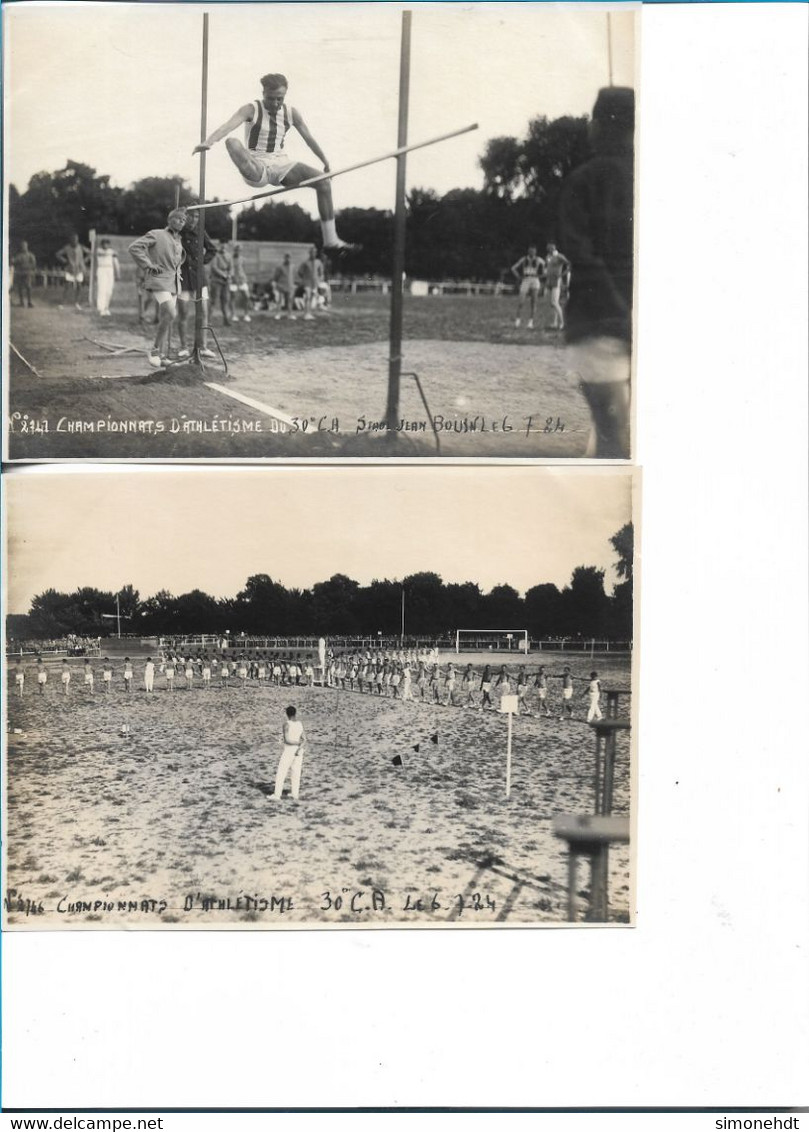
point(266, 133)
point(530, 267)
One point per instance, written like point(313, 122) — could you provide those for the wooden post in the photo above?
point(397, 274)
point(199, 320)
point(609, 48)
point(572, 861)
point(92, 289)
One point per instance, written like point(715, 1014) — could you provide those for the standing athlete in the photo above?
point(261, 159)
point(527, 271)
point(75, 259)
point(557, 271)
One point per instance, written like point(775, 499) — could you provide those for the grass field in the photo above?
point(494, 390)
point(166, 824)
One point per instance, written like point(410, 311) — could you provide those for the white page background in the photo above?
point(704, 1003)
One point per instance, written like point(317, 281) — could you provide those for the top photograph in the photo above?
point(297, 232)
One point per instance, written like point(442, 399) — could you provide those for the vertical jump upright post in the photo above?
point(397, 274)
point(609, 48)
point(199, 319)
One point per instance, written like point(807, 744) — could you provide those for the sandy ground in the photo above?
point(494, 391)
point(165, 825)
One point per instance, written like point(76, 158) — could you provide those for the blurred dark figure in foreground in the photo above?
point(595, 228)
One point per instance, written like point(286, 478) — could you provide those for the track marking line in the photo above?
point(268, 410)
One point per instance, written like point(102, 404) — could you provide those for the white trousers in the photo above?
point(594, 711)
point(290, 763)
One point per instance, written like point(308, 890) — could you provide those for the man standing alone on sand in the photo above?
point(291, 761)
point(25, 264)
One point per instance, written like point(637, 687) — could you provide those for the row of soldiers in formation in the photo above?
point(384, 676)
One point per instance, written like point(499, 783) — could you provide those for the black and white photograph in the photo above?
point(269, 698)
point(305, 231)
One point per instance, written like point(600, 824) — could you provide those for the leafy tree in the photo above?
point(195, 612)
point(535, 166)
point(551, 150)
point(464, 606)
point(53, 614)
point(543, 610)
point(621, 603)
point(73, 199)
point(503, 608)
point(276, 222)
point(501, 167)
point(379, 606)
point(585, 605)
point(334, 605)
point(90, 604)
point(129, 602)
point(424, 603)
point(262, 606)
point(157, 613)
point(623, 543)
point(18, 627)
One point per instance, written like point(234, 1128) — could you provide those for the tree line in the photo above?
point(341, 606)
point(462, 234)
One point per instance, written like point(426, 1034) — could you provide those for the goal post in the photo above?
point(496, 640)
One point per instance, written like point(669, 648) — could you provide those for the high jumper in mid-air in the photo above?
point(261, 158)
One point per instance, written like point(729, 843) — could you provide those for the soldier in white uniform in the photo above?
point(291, 761)
point(261, 159)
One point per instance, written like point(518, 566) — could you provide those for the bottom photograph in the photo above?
point(355, 697)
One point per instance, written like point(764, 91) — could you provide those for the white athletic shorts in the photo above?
point(189, 296)
point(74, 277)
point(42, 678)
point(567, 693)
point(530, 285)
point(275, 167)
point(161, 297)
point(243, 287)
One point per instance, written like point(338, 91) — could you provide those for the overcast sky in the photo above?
point(118, 86)
point(211, 528)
